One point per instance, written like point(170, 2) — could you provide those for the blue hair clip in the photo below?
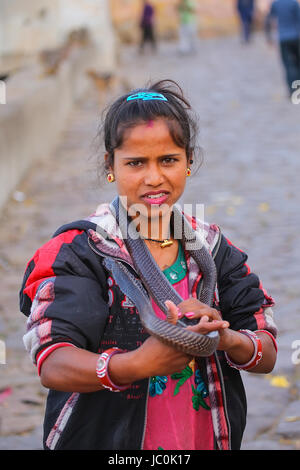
point(147, 96)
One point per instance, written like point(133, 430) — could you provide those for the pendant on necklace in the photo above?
point(166, 243)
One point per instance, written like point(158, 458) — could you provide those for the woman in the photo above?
point(187, 26)
point(147, 26)
point(245, 9)
point(78, 314)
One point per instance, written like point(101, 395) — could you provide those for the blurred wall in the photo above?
point(94, 15)
point(215, 17)
point(40, 93)
point(27, 26)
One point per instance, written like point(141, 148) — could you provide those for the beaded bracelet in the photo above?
point(102, 370)
point(257, 355)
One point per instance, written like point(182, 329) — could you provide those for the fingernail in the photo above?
point(180, 314)
point(189, 314)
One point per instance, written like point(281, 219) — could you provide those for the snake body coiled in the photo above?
point(160, 289)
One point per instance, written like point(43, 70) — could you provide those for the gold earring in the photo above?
point(188, 172)
point(110, 178)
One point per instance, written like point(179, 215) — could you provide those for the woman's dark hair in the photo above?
point(123, 115)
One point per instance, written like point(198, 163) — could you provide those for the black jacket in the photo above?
point(68, 295)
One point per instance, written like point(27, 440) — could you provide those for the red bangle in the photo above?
point(44, 353)
point(257, 355)
point(102, 370)
point(271, 336)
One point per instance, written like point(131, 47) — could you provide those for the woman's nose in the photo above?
point(154, 176)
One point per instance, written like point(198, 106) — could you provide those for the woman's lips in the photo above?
point(157, 199)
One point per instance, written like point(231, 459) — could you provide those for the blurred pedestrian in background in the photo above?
point(147, 26)
point(286, 14)
point(187, 26)
point(245, 10)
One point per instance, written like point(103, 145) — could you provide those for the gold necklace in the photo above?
point(163, 243)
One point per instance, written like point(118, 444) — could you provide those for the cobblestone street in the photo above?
point(249, 183)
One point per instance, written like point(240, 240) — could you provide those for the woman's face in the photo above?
point(149, 167)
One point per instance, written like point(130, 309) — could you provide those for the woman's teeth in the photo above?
point(156, 196)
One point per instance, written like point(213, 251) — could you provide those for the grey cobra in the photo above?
point(160, 289)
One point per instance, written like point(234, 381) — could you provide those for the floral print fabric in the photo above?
point(178, 411)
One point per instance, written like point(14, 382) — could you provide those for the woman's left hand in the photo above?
point(239, 347)
point(210, 318)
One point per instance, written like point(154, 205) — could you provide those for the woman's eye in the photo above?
point(165, 161)
point(169, 160)
point(135, 163)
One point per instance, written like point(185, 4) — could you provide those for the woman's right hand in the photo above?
point(153, 357)
point(156, 358)
point(71, 369)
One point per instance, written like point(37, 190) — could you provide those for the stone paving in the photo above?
point(248, 182)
